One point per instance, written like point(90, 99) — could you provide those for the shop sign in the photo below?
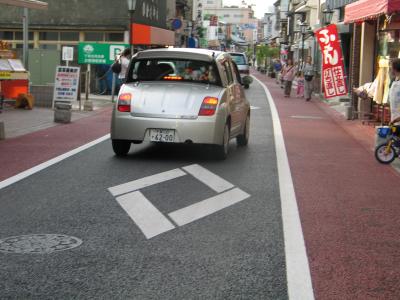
point(66, 84)
point(333, 72)
point(5, 75)
point(98, 54)
point(151, 12)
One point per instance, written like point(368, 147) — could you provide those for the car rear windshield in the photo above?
point(238, 59)
point(173, 70)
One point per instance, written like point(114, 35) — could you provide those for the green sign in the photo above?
point(97, 54)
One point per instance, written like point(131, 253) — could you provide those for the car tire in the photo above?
point(222, 150)
point(243, 139)
point(246, 86)
point(121, 147)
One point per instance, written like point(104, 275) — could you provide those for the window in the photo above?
point(238, 59)
point(21, 46)
point(114, 37)
point(227, 15)
point(6, 35)
point(69, 36)
point(94, 36)
point(49, 35)
point(173, 69)
point(228, 72)
point(19, 35)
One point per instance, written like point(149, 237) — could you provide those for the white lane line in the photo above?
point(146, 216)
point(213, 181)
point(297, 267)
point(145, 182)
point(42, 166)
point(306, 117)
point(206, 207)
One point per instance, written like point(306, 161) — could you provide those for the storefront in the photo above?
point(380, 43)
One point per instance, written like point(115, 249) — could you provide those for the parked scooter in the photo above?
point(387, 152)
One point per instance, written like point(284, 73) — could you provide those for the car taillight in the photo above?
point(124, 102)
point(209, 106)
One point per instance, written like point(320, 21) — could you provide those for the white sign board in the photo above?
point(68, 53)
point(66, 84)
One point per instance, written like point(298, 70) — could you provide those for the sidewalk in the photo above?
point(348, 202)
point(18, 122)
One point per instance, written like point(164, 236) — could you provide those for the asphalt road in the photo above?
point(159, 249)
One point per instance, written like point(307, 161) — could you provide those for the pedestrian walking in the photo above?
point(394, 93)
point(277, 68)
point(125, 58)
point(308, 72)
point(300, 85)
point(289, 72)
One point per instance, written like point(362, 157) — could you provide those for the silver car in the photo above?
point(180, 95)
point(243, 64)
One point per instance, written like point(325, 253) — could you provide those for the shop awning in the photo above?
point(369, 9)
point(149, 35)
point(33, 4)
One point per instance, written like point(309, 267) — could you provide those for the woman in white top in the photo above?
point(125, 58)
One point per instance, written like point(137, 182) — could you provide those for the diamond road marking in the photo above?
point(146, 216)
point(152, 222)
point(206, 207)
point(145, 182)
point(213, 181)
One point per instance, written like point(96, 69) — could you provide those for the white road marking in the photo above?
point(297, 267)
point(145, 182)
point(254, 107)
point(206, 207)
point(213, 181)
point(306, 117)
point(42, 166)
point(146, 216)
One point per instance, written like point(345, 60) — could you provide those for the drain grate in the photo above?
point(38, 243)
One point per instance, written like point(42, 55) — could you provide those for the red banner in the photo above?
point(333, 75)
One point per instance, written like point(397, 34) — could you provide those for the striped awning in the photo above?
point(369, 9)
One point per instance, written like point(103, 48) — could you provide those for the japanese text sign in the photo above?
point(333, 73)
point(97, 54)
point(66, 84)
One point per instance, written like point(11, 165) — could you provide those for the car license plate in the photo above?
point(162, 135)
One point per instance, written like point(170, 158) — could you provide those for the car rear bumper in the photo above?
point(203, 130)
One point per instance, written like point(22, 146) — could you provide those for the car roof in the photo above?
point(185, 53)
point(237, 53)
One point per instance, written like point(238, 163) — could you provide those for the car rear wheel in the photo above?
point(121, 147)
point(243, 139)
point(246, 86)
point(222, 150)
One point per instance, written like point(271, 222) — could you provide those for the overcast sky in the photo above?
point(261, 6)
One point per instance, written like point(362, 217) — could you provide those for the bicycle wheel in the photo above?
point(385, 155)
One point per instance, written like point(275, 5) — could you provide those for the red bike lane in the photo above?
point(26, 151)
point(349, 204)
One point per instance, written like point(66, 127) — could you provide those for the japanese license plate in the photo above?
point(162, 135)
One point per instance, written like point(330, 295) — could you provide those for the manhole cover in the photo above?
point(38, 243)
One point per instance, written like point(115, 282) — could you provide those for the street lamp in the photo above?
point(328, 14)
point(303, 28)
point(131, 8)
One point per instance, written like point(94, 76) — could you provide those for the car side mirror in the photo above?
point(247, 80)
